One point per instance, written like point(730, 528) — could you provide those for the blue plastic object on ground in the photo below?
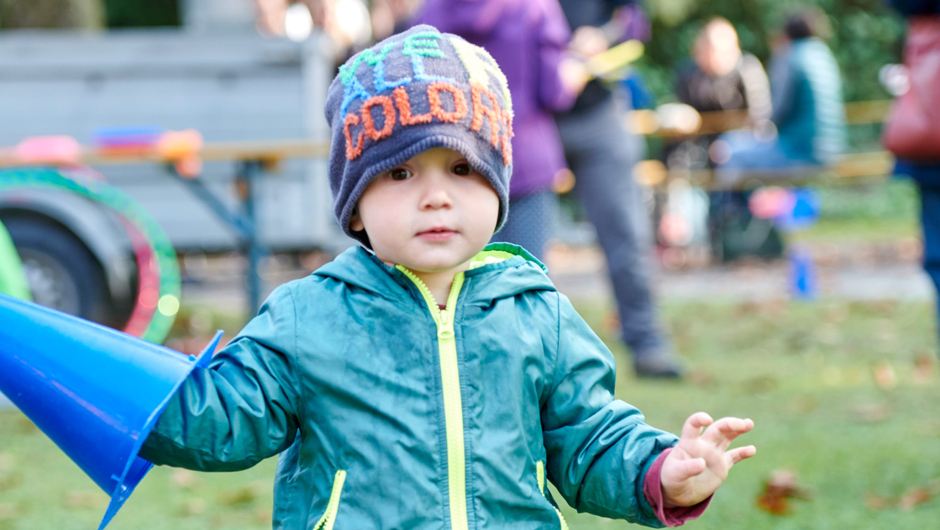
point(802, 274)
point(94, 391)
point(804, 212)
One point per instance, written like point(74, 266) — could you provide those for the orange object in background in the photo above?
point(49, 150)
point(177, 145)
point(182, 148)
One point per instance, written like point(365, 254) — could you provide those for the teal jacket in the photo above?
point(807, 100)
point(389, 413)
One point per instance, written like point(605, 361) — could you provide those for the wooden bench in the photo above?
point(852, 168)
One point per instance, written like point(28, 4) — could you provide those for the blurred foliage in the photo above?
point(866, 34)
point(134, 13)
point(82, 14)
point(88, 14)
point(895, 199)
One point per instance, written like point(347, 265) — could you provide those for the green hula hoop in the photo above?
point(103, 193)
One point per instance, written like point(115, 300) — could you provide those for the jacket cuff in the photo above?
point(653, 491)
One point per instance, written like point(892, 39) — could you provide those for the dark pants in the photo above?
point(930, 220)
point(601, 153)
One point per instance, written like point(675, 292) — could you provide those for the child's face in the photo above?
point(431, 214)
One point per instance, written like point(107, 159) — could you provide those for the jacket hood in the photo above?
point(499, 271)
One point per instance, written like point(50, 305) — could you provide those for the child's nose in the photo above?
point(437, 194)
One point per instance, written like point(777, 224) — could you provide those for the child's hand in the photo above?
point(701, 460)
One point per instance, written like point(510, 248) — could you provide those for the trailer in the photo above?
point(215, 75)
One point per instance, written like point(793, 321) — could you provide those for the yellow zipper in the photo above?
point(329, 518)
point(540, 475)
point(453, 408)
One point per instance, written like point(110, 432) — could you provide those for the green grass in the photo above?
point(803, 372)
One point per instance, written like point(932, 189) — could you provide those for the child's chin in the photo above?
point(438, 265)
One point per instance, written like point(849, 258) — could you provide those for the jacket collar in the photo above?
point(499, 271)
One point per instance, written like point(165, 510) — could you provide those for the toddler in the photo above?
point(422, 381)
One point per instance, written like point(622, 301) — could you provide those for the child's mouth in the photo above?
point(437, 234)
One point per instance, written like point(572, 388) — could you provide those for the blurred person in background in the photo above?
point(12, 280)
point(719, 77)
point(601, 153)
point(527, 38)
point(346, 22)
point(808, 110)
point(913, 128)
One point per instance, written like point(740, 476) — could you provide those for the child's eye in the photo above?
point(399, 173)
point(463, 169)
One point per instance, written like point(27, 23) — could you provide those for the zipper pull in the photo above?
point(446, 329)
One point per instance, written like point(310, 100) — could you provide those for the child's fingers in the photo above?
point(693, 426)
point(725, 430)
point(741, 453)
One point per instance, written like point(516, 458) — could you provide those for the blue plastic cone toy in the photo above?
point(94, 391)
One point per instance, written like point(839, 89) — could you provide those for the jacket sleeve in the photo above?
point(598, 448)
point(243, 408)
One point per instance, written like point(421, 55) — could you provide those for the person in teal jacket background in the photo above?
point(421, 380)
point(808, 110)
point(12, 280)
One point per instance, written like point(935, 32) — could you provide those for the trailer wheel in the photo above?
point(61, 271)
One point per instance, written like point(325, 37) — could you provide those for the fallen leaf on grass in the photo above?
point(245, 494)
point(24, 426)
point(885, 376)
point(872, 412)
point(779, 488)
point(913, 498)
point(194, 506)
point(884, 307)
point(923, 368)
point(264, 515)
point(772, 307)
point(836, 313)
point(9, 481)
point(760, 385)
point(611, 323)
point(78, 499)
point(906, 502)
point(185, 479)
point(806, 403)
point(700, 378)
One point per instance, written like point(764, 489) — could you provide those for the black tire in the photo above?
point(62, 273)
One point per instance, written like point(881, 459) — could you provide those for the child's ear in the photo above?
point(355, 222)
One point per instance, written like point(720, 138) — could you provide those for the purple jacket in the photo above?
point(527, 39)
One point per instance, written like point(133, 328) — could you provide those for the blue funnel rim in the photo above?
point(121, 492)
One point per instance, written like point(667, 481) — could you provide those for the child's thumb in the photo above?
point(684, 469)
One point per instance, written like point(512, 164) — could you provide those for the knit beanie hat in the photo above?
point(409, 93)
